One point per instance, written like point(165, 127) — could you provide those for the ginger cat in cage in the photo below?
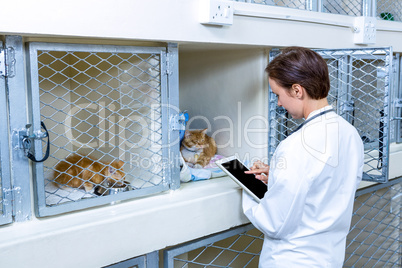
point(197, 148)
point(85, 172)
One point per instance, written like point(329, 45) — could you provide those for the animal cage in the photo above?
point(345, 7)
point(389, 10)
point(360, 93)
point(383, 9)
point(374, 238)
point(106, 104)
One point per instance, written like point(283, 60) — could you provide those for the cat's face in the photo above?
point(195, 139)
point(115, 172)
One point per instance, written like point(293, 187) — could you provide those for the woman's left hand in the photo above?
point(260, 170)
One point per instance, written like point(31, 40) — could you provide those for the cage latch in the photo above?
point(398, 103)
point(348, 106)
point(2, 63)
point(23, 140)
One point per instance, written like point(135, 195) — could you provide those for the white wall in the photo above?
point(227, 91)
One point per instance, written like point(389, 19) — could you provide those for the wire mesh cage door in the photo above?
point(297, 4)
point(374, 238)
point(5, 183)
point(347, 7)
point(236, 247)
point(360, 90)
point(106, 112)
point(389, 10)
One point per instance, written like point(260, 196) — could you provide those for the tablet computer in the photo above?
point(234, 168)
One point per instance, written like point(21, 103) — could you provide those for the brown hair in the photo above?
point(299, 65)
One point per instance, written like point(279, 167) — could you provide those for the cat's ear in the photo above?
point(120, 164)
point(112, 170)
point(117, 164)
point(204, 131)
point(187, 133)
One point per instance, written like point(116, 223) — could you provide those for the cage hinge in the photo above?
point(178, 122)
point(398, 103)
point(167, 65)
point(7, 62)
point(12, 198)
point(2, 63)
point(169, 68)
point(394, 69)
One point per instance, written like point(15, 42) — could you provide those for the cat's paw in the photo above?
point(88, 187)
point(190, 164)
point(198, 166)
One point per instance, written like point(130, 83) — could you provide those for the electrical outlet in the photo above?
point(365, 30)
point(216, 12)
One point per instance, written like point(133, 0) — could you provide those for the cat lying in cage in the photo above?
point(197, 148)
point(85, 172)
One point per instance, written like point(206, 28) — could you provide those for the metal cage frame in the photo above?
point(167, 104)
point(5, 178)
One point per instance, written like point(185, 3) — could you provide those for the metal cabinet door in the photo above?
point(361, 81)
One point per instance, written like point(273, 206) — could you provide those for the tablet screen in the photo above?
point(236, 168)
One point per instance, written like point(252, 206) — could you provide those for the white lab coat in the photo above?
point(306, 213)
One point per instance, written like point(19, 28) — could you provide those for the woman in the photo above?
point(306, 213)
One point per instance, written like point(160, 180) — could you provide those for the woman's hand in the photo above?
point(260, 170)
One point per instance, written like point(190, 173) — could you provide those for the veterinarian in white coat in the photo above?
point(312, 178)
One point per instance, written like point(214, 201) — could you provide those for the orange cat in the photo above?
point(84, 172)
point(197, 148)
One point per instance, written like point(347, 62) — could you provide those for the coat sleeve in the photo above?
point(281, 209)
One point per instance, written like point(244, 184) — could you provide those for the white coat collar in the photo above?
point(328, 107)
